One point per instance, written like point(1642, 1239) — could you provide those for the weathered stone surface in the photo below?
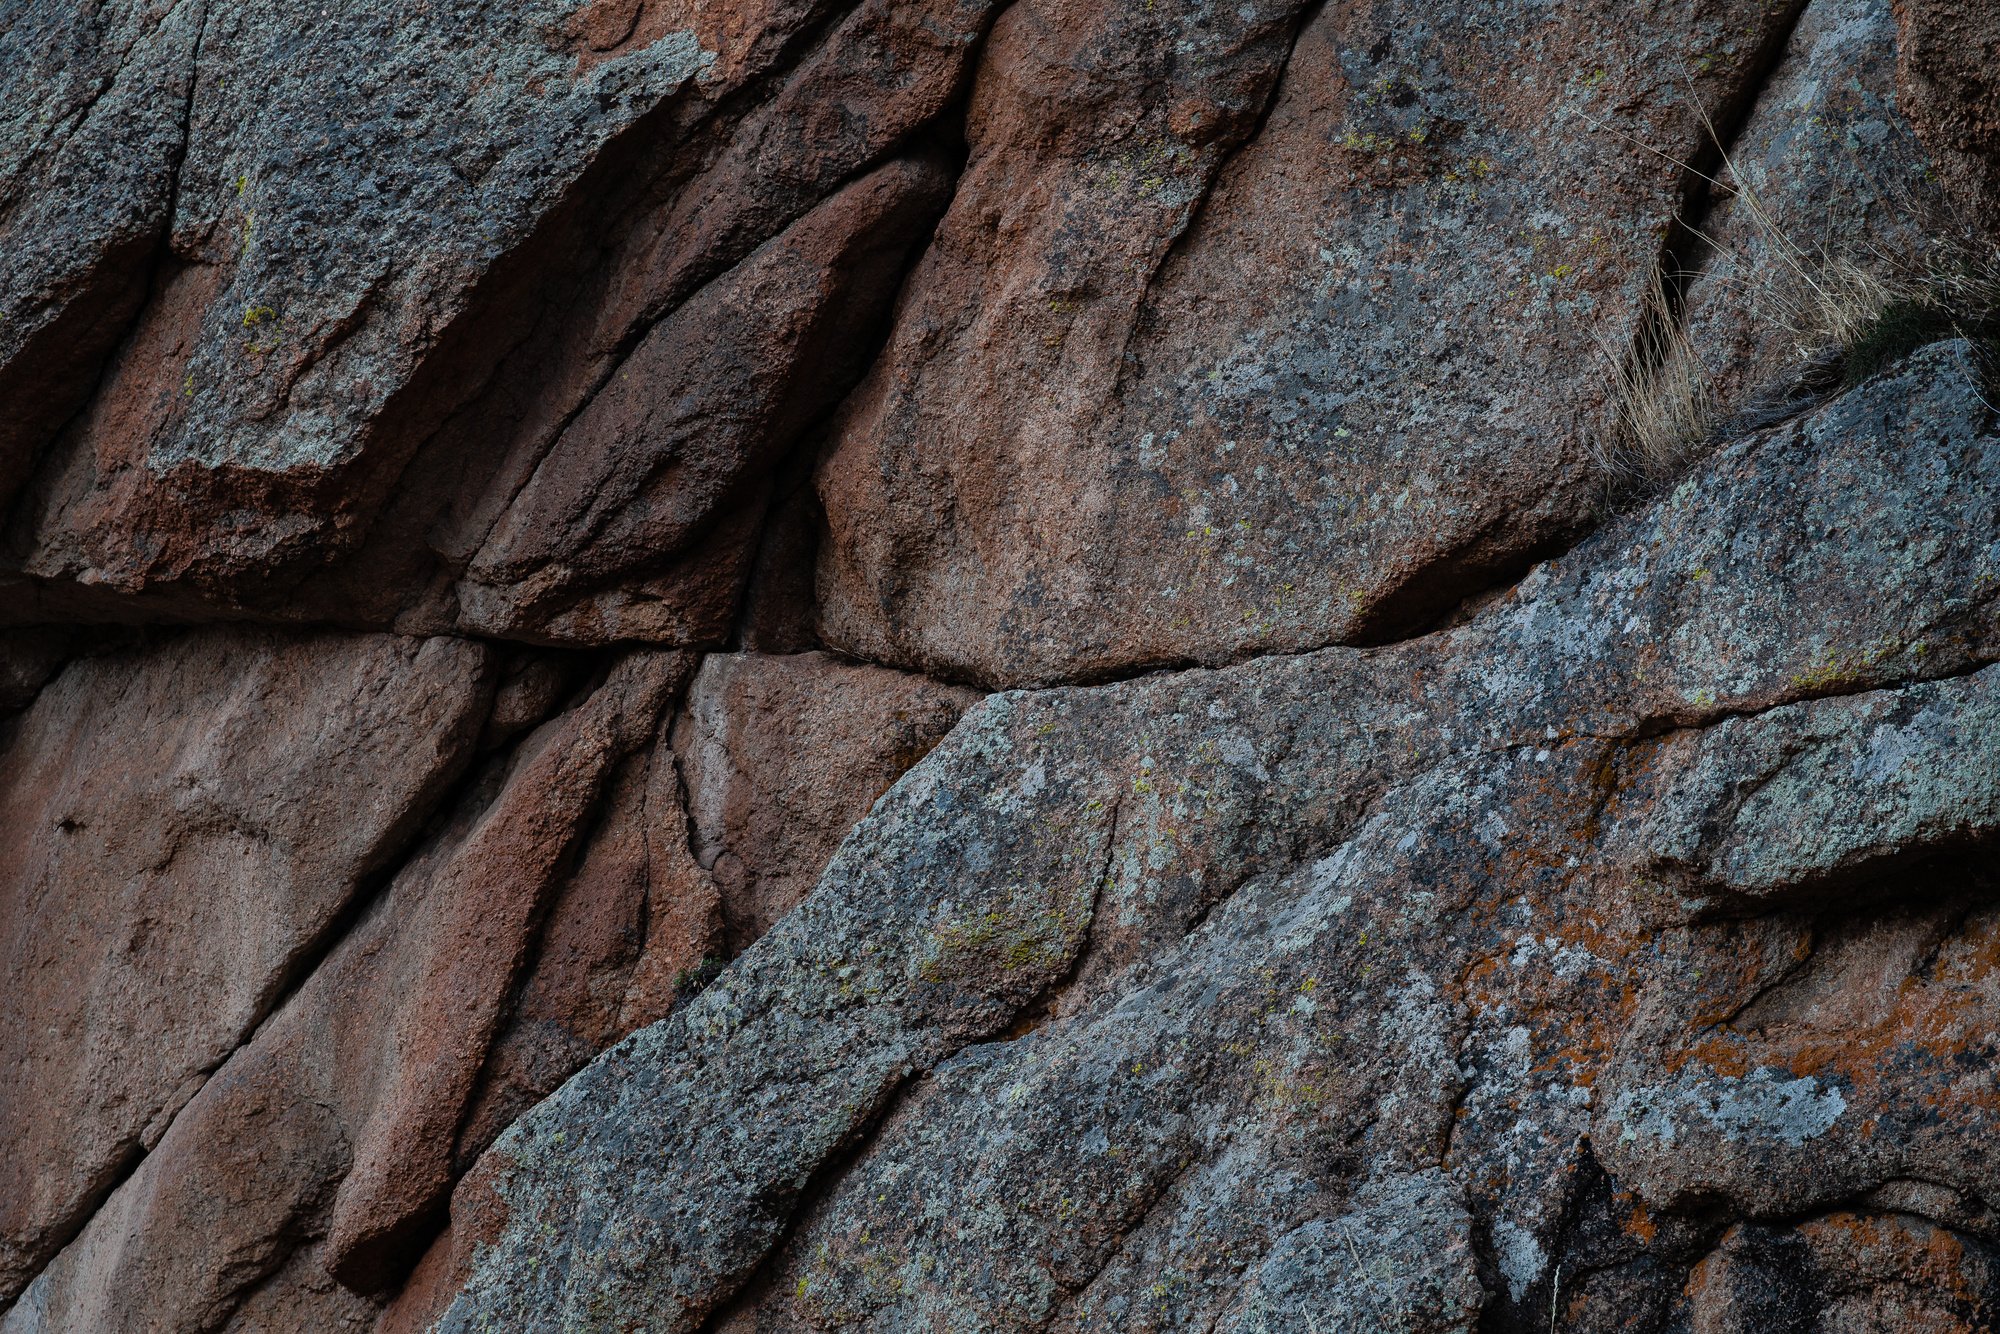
point(635, 900)
point(1763, 805)
point(567, 1008)
point(1287, 928)
point(303, 1296)
point(706, 840)
point(189, 821)
point(1950, 50)
point(28, 658)
point(396, 275)
point(1353, 924)
point(1401, 1260)
point(336, 1122)
point(318, 161)
point(782, 755)
point(1144, 408)
point(1845, 1271)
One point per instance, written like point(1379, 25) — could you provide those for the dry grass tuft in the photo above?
point(1667, 405)
point(1869, 305)
point(1846, 312)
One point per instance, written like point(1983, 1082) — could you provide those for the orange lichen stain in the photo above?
point(1577, 1017)
point(1893, 1248)
point(1921, 1041)
point(1724, 1054)
point(1640, 1223)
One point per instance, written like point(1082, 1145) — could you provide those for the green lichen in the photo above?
point(266, 320)
point(1845, 670)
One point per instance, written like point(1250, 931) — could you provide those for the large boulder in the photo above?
point(1123, 985)
point(1161, 395)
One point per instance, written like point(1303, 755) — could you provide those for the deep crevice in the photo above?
point(1685, 253)
point(665, 177)
point(1686, 249)
point(1448, 593)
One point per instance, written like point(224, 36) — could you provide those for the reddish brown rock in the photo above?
point(1950, 79)
point(377, 270)
point(337, 1119)
point(701, 848)
point(1146, 408)
point(1846, 1273)
point(636, 906)
point(28, 658)
point(191, 820)
point(303, 1297)
point(782, 755)
point(431, 1286)
point(594, 547)
point(683, 912)
point(1620, 955)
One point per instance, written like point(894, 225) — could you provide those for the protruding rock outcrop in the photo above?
point(1270, 930)
point(191, 823)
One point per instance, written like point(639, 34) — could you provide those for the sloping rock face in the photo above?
point(1126, 985)
point(510, 516)
point(191, 823)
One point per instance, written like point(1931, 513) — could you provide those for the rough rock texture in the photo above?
point(1949, 53)
point(706, 840)
point(508, 513)
point(335, 1119)
point(781, 755)
point(189, 822)
point(95, 131)
point(356, 237)
point(1339, 916)
point(1152, 403)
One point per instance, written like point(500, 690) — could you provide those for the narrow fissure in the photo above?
point(1686, 251)
point(424, 828)
point(149, 281)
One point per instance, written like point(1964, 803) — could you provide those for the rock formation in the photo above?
point(772, 665)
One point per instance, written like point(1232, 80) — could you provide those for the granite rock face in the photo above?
point(510, 515)
point(351, 241)
point(1185, 405)
point(1123, 985)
